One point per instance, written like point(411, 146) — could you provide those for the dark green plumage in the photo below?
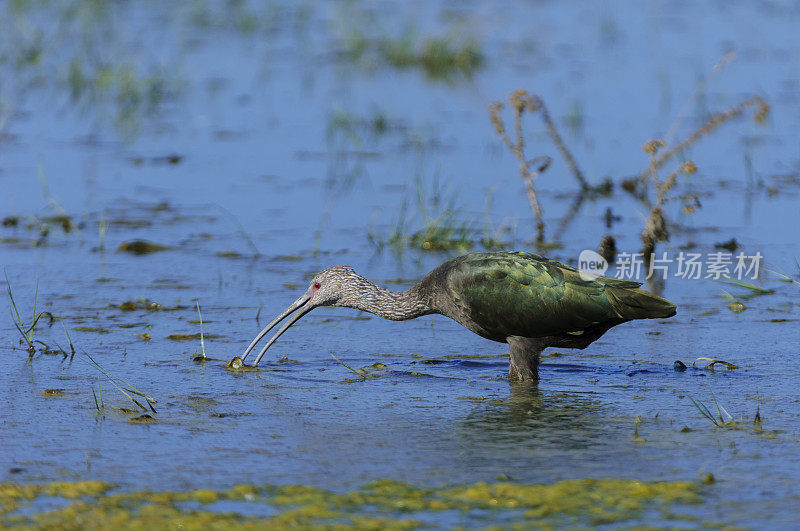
point(500, 295)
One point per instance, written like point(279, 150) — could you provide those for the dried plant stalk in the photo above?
point(520, 102)
point(712, 123)
point(655, 229)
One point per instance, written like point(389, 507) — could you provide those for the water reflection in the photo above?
point(527, 418)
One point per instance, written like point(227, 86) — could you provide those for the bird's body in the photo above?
point(523, 299)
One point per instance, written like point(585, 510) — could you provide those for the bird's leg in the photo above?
point(523, 356)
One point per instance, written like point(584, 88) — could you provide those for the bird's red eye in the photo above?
point(316, 285)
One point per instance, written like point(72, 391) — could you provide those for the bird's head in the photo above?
point(335, 286)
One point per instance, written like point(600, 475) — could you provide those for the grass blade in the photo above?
point(202, 343)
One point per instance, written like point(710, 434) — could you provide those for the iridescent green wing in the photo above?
point(527, 295)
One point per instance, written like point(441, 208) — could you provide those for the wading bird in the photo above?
point(523, 299)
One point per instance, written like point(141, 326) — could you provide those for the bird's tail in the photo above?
point(636, 303)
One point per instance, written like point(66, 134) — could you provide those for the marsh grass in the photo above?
point(752, 289)
point(202, 341)
point(69, 343)
point(720, 421)
point(102, 230)
point(6, 112)
point(360, 374)
point(75, 48)
point(125, 388)
point(443, 226)
point(347, 127)
point(439, 224)
point(128, 90)
point(720, 418)
point(785, 277)
point(98, 397)
point(439, 57)
point(25, 329)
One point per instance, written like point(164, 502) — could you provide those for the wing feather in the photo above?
point(528, 295)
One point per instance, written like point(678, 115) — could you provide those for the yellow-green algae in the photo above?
point(384, 504)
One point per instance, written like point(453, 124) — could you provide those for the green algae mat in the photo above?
point(378, 505)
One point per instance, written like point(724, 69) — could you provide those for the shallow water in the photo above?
point(277, 173)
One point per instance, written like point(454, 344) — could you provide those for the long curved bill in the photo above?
point(300, 304)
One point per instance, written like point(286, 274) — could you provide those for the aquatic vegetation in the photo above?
point(202, 341)
point(713, 362)
point(443, 233)
point(736, 307)
point(5, 116)
point(723, 419)
point(192, 337)
point(444, 226)
point(235, 364)
point(140, 247)
point(364, 372)
point(382, 504)
point(718, 420)
point(95, 329)
point(753, 290)
point(140, 303)
point(357, 129)
point(636, 437)
point(784, 277)
point(735, 304)
point(83, 59)
point(142, 419)
point(439, 58)
point(123, 387)
point(25, 330)
point(361, 374)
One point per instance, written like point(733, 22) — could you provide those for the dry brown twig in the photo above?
point(655, 229)
point(520, 102)
point(712, 123)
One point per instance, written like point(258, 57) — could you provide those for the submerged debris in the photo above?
point(140, 247)
point(191, 337)
point(142, 419)
point(608, 248)
point(712, 362)
point(95, 329)
point(731, 245)
point(737, 307)
point(140, 304)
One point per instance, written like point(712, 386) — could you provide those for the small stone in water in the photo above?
point(679, 366)
point(236, 363)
